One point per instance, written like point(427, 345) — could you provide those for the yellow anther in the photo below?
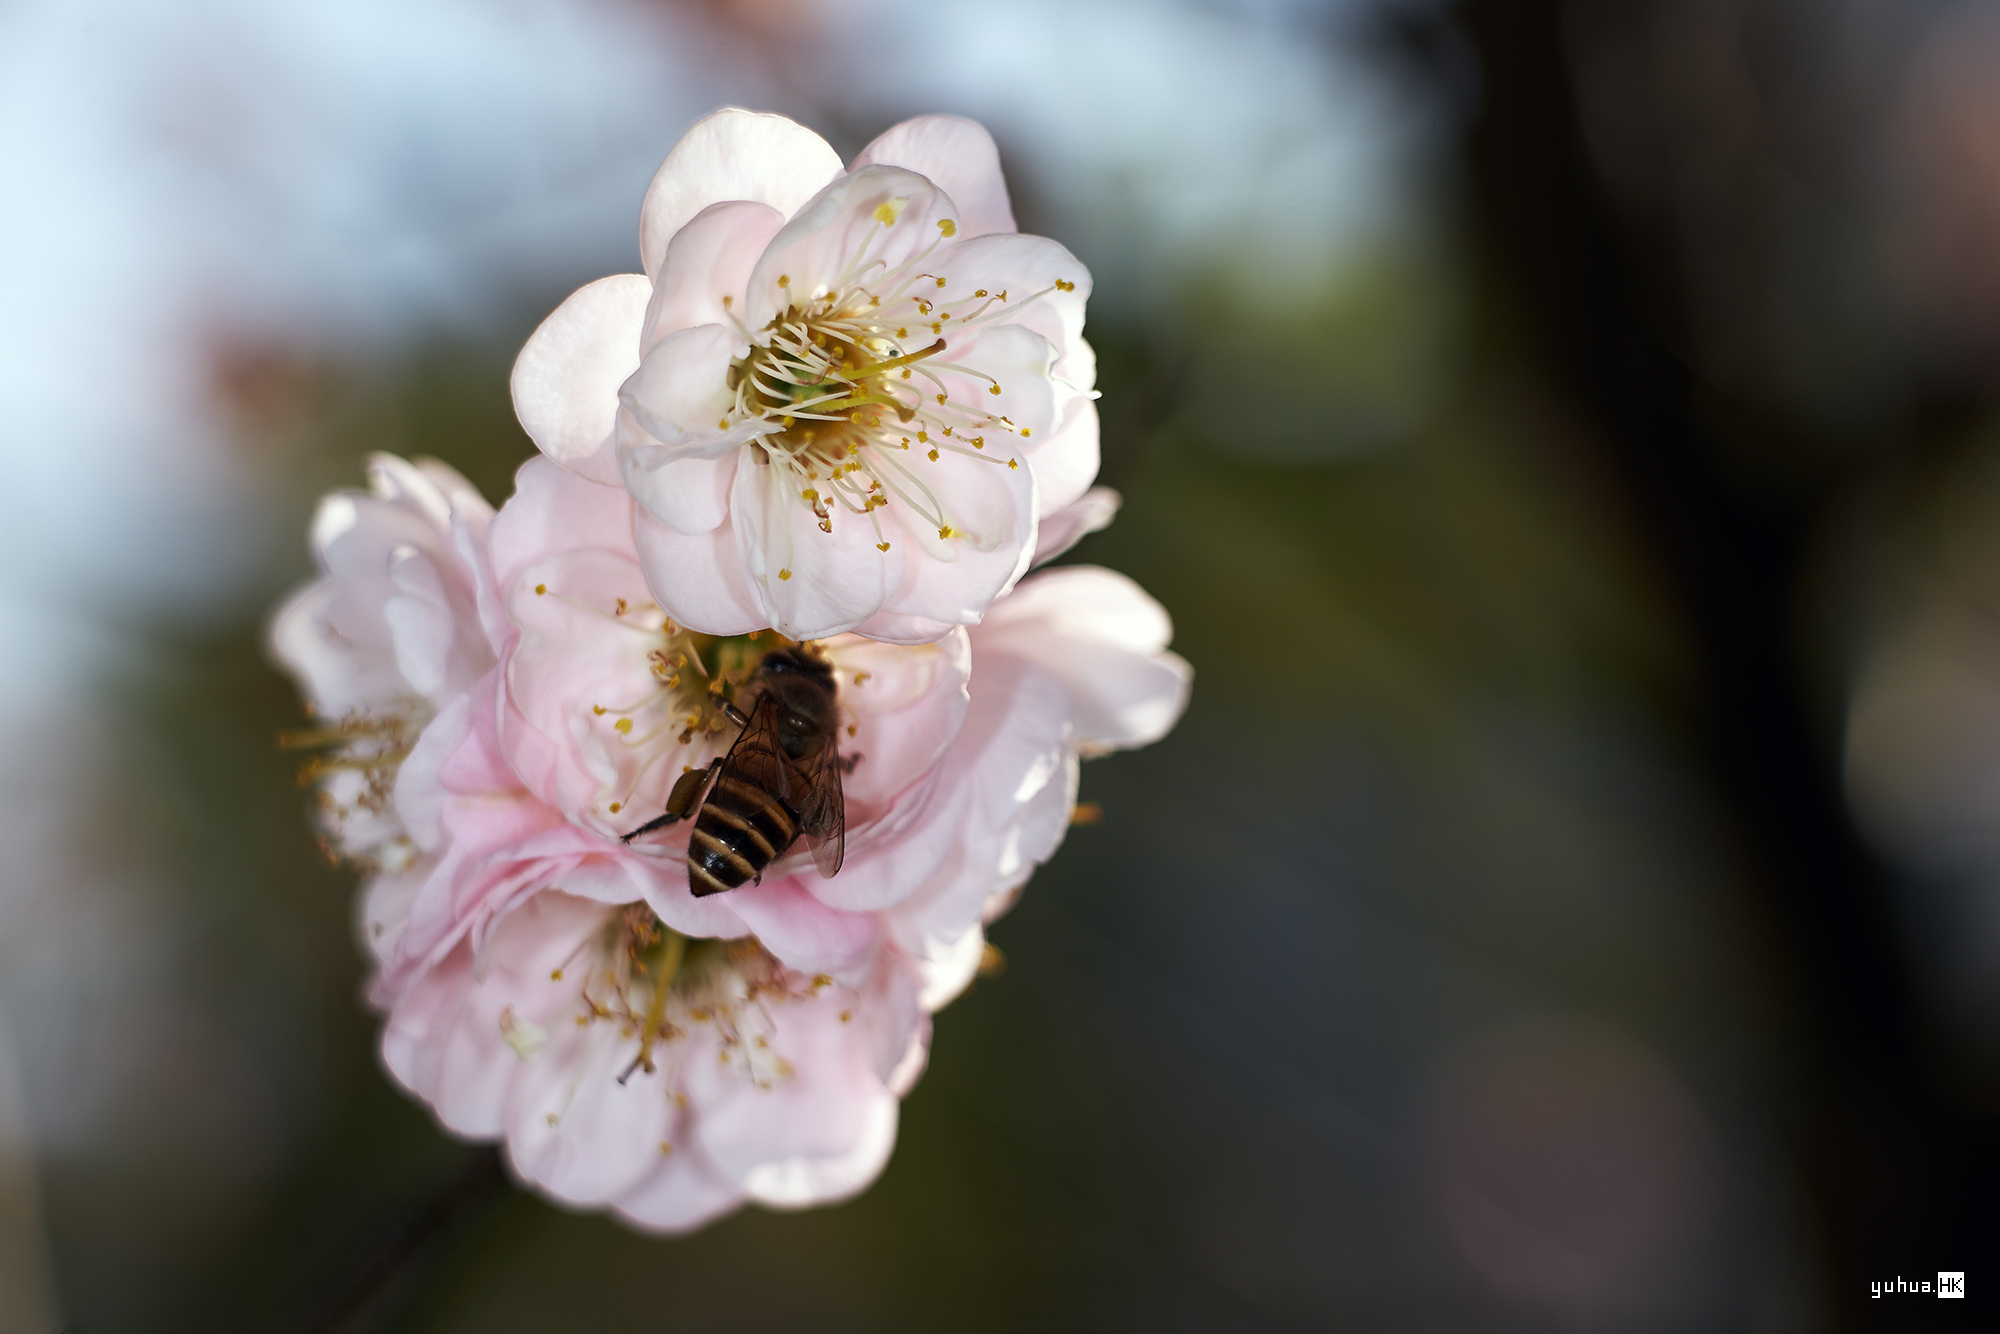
point(1063, 285)
point(1025, 433)
point(728, 301)
point(940, 398)
point(809, 494)
point(979, 442)
point(624, 725)
point(784, 280)
point(845, 1015)
point(666, 1148)
point(993, 389)
point(923, 437)
point(934, 456)
point(881, 546)
point(980, 292)
point(541, 589)
point(617, 806)
point(1013, 464)
point(947, 532)
point(784, 574)
point(722, 423)
point(555, 975)
point(940, 282)
point(597, 709)
point(906, 372)
point(889, 210)
point(902, 333)
point(937, 326)
point(947, 226)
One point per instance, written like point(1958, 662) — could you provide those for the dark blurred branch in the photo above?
point(1896, 1174)
point(480, 1184)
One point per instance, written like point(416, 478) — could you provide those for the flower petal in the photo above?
point(1091, 512)
point(1101, 635)
point(678, 398)
point(960, 156)
point(800, 930)
point(733, 154)
point(1066, 462)
point(690, 495)
point(813, 584)
point(573, 1129)
point(993, 507)
point(698, 579)
point(708, 265)
point(684, 1191)
point(565, 382)
point(829, 236)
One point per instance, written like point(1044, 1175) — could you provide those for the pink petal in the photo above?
point(960, 156)
point(800, 930)
point(732, 154)
point(683, 1191)
point(679, 397)
point(824, 236)
point(813, 584)
point(709, 259)
point(553, 511)
point(565, 381)
point(1091, 512)
point(698, 579)
point(1065, 463)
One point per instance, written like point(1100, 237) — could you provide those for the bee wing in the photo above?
point(823, 815)
point(757, 758)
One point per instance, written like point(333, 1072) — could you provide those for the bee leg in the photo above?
point(687, 789)
point(734, 714)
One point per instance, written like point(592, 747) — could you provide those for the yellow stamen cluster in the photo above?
point(372, 744)
point(839, 383)
point(657, 986)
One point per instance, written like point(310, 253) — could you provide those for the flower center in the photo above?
point(850, 380)
point(658, 986)
point(691, 678)
point(355, 763)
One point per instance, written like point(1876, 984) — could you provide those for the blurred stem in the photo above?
point(478, 1186)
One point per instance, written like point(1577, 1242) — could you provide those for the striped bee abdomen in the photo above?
point(741, 830)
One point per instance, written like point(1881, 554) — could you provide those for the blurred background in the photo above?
point(1567, 436)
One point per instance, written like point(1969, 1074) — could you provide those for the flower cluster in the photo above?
point(826, 434)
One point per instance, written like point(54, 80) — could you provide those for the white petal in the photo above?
point(1101, 635)
point(960, 156)
point(825, 237)
point(815, 584)
point(679, 396)
point(689, 495)
point(1091, 512)
point(565, 381)
point(699, 579)
point(708, 260)
point(1066, 462)
point(733, 154)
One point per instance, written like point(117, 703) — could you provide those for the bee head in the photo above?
point(800, 659)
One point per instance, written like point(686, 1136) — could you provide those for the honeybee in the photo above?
point(780, 779)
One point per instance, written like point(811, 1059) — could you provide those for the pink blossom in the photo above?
point(841, 399)
point(390, 631)
point(638, 1049)
point(668, 1079)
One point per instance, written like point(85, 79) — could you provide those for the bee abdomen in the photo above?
point(740, 831)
